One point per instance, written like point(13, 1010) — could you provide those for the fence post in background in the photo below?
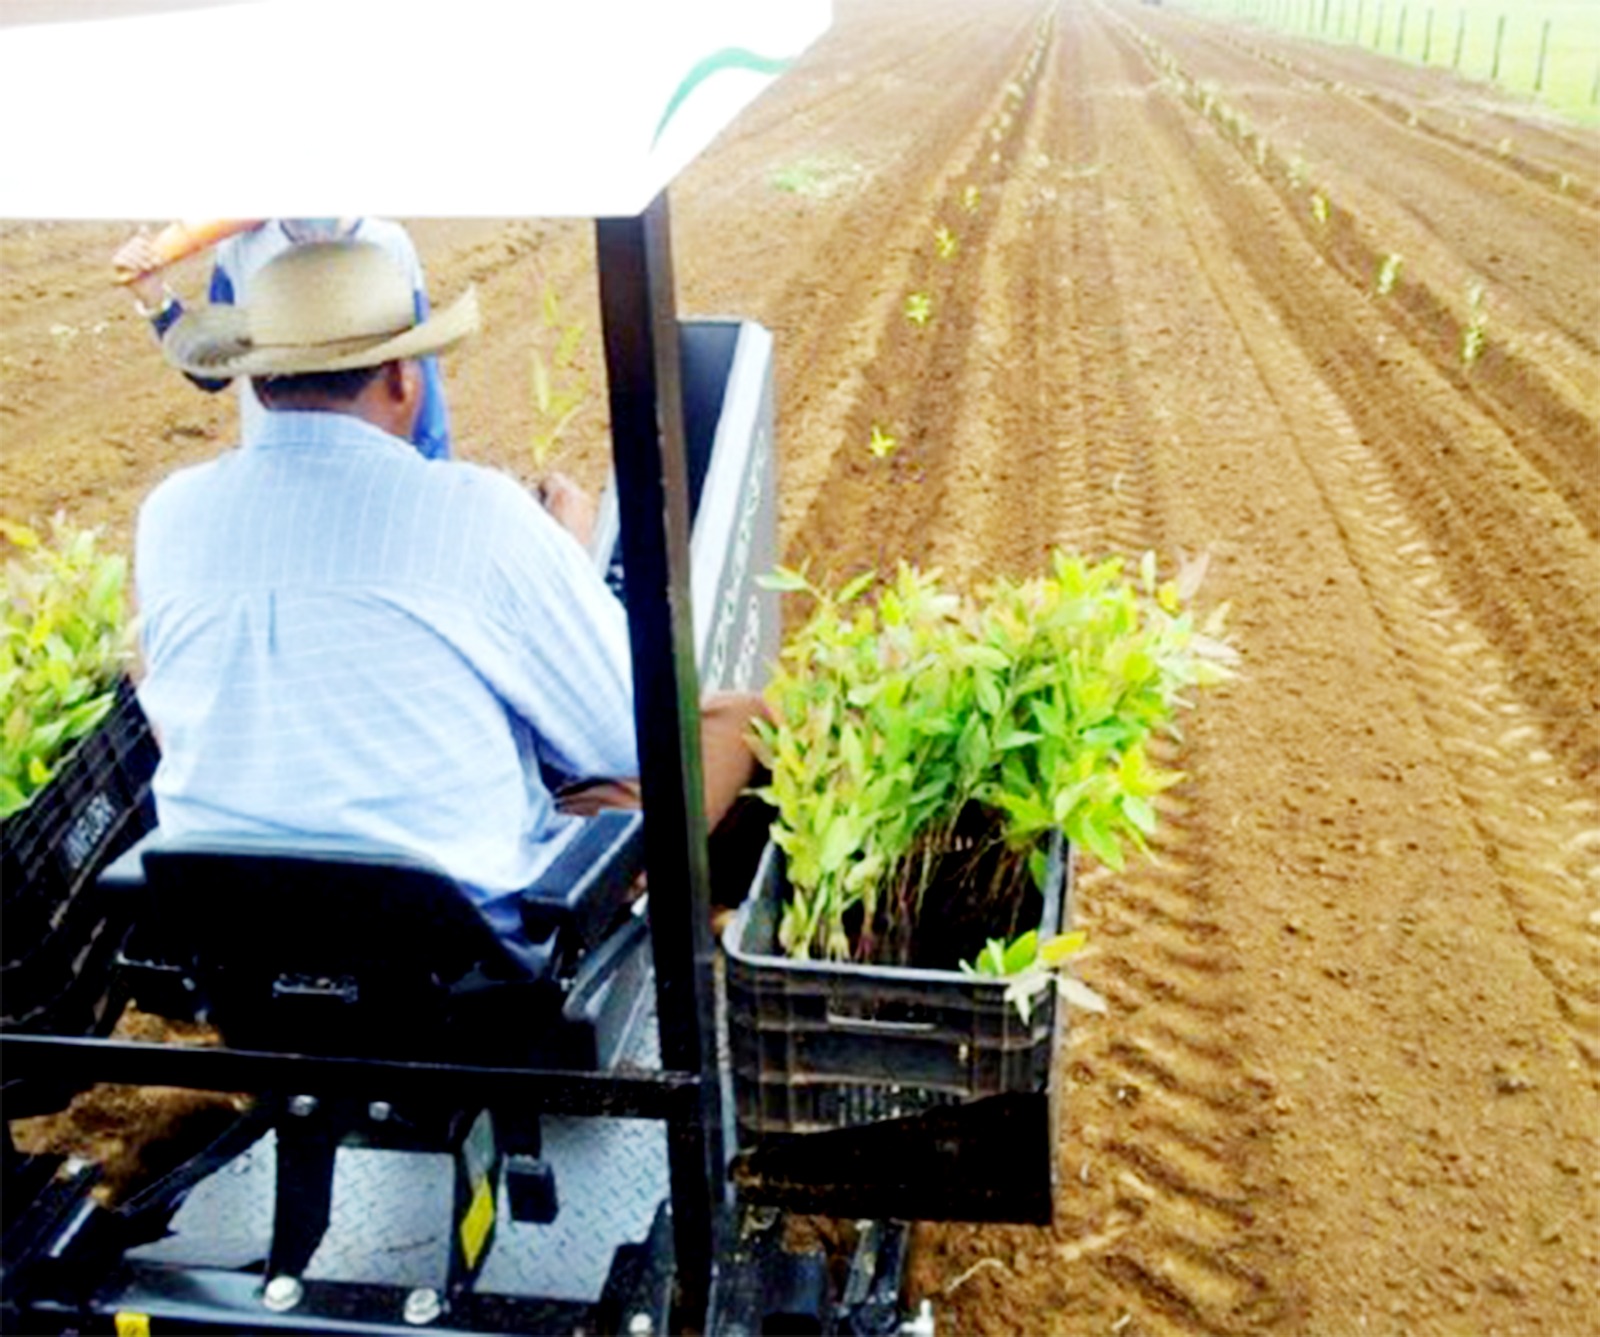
point(1544, 46)
point(1377, 30)
point(1499, 43)
point(1400, 34)
point(1427, 37)
point(1461, 37)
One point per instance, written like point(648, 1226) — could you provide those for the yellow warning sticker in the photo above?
point(475, 1224)
point(130, 1324)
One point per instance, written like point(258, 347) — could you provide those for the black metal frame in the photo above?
point(641, 346)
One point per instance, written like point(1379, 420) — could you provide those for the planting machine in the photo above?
point(434, 1138)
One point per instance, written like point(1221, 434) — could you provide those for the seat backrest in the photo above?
point(333, 949)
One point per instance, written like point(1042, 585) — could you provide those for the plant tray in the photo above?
point(869, 1090)
point(60, 936)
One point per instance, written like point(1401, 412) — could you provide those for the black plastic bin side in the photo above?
point(819, 1044)
point(883, 1091)
point(60, 935)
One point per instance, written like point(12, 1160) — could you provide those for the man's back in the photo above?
point(345, 639)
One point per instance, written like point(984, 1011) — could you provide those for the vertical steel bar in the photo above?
point(1427, 38)
point(1544, 47)
point(1461, 38)
point(1400, 34)
point(1359, 6)
point(1499, 44)
point(1377, 29)
point(645, 391)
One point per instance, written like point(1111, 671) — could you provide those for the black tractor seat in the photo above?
point(366, 952)
point(334, 948)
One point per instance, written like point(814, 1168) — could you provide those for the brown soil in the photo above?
point(1348, 1081)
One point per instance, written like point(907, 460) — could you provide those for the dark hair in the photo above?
point(339, 386)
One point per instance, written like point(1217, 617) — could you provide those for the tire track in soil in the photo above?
point(1465, 483)
point(1494, 747)
point(905, 379)
point(1161, 1111)
point(1181, 1108)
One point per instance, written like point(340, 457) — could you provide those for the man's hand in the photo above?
point(573, 508)
point(138, 264)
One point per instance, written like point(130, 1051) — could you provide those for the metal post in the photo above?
point(1499, 42)
point(1544, 47)
point(1377, 30)
point(1461, 37)
point(1357, 29)
point(1427, 38)
point(1400, 34)
point(641, 348)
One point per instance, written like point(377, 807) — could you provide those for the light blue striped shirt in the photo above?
point(344, 639)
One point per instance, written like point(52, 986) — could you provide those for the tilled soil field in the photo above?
point(1349, 1081)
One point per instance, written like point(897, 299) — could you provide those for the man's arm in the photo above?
point(155, 300)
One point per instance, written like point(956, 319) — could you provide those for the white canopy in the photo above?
point(415, 108)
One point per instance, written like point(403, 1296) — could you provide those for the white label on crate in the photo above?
point(85, 835)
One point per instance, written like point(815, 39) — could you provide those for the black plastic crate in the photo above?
point(819, 1045)
point(60, 935)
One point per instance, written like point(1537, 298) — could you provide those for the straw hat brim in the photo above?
point(214, 343)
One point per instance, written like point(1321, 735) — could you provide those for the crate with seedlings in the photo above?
point(76, 761)
point(893, 981)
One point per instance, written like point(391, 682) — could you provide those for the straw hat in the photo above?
point(325, 306)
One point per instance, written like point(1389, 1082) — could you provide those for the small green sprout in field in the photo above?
point(1388, 274)
point(1564, 182)
point(1297, 172)
point(945, 242)
point(559, 384)
point(969, 199)
point(1319, 208)
point(919, 309)
point(882, 444)
point(818, 177)
point(1263, 147)
point(1475, 334)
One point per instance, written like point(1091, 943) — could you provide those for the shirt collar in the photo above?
point(299, 429)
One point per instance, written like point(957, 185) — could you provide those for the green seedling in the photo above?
point(1297, 172)
point(882, 444)
point(818, 177)
point(560, 386)
point(969, 199)
point(919, 309)
point(944, 242)
point(1388, 274)
point(64, 641)
point(1475, 334)
point(1319, 208)
point(1030, 966)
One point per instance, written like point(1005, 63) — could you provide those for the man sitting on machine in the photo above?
point(343, 639)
